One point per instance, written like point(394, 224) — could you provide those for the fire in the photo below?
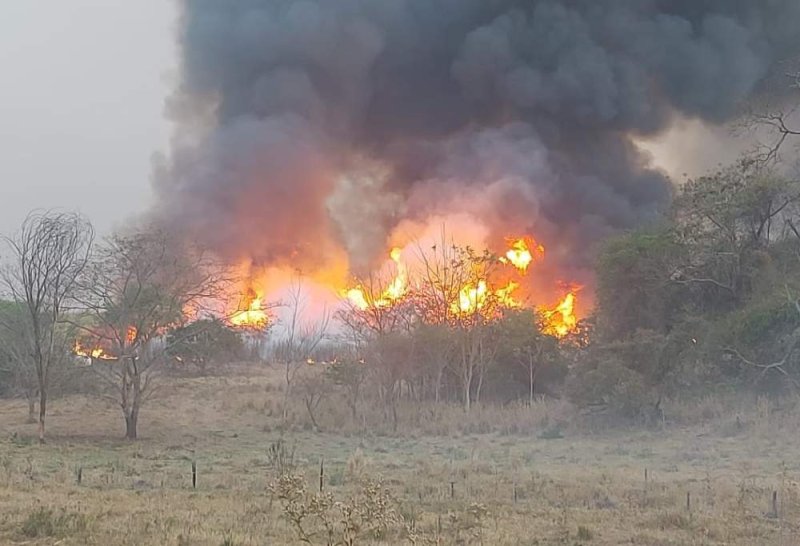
point(505, 295)
point(394, 292)
point(357, 298)
point(251, 313)
point(561, 320)
point(399, 285)
point(95, 353)
point(471, 298)
point(522, 253)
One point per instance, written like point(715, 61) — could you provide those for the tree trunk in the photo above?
point(42, 413)
point(31, 396)
point(530, 371)
point(480, 385)
point(131, 421)
point(438, 386)
point(132, 402)
point(467, 388)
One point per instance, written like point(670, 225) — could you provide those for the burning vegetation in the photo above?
point(250, 312)
point(488, 286)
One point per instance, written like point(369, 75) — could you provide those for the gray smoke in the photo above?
point(322, 123)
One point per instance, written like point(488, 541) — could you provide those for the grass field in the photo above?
point(460, 488)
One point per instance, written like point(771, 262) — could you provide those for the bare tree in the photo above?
point(779, 121)
point(299, 339)
point(136, 294)
point(48, 255)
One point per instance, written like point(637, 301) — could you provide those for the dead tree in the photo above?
point(298, 340)
point(48, 255)
point(778, 122)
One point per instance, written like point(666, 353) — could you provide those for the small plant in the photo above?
point(553, 432)
point(281, 458)
point(319, 518)
point(44, 522)
point(584, 533)
point(227, 541)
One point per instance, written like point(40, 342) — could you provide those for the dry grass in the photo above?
point(487, 479)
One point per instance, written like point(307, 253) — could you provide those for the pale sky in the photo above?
point(82, 91)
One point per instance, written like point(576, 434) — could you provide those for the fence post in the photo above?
point(321, 473)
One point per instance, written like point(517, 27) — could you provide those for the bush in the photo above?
point(612, 387)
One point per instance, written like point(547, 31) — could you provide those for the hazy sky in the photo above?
point(81, 105)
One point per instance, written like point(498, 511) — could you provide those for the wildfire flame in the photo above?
point(95, 353)
point(251, 313)
point(561, 320)
point(471, 298)
point(394, 292)
point(522, 253)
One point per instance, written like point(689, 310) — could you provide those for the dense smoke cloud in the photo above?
point(306, 126)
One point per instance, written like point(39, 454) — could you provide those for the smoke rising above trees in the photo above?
point(306, 129)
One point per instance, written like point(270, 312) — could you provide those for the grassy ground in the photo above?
point(489, 488)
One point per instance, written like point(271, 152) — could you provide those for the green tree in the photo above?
point(522, 344)
point(204, 342)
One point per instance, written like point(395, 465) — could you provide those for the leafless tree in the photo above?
point(298, 340)
point(313, 387)
point(140, 288)
point(48, 255)
point(779, 121)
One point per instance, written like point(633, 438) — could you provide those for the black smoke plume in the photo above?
point(310, 125)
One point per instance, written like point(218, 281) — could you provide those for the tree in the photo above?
point(377, 326)
point(16, 364)
point(634, 289)
point(313, 387)
point(298, 340)
point(204, 342)
point(348, 372)
point(526, 346)
point(455, 291)
point(48, 255)
point(778, 122)
point(137, 293)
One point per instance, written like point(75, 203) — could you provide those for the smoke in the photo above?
point(305, 127)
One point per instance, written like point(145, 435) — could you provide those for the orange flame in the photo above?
point(561, 320)
point(394, 292)
point(486, 296)
point(251, 313)
point(471, 298)
point(96, 353)
point(522, 253)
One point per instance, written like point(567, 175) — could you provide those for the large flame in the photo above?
point(561, 319)
point(480, 296)
point(395, 291)
point(471, 298)
point(250, 313)
point(492, 287)
point(522, 253)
